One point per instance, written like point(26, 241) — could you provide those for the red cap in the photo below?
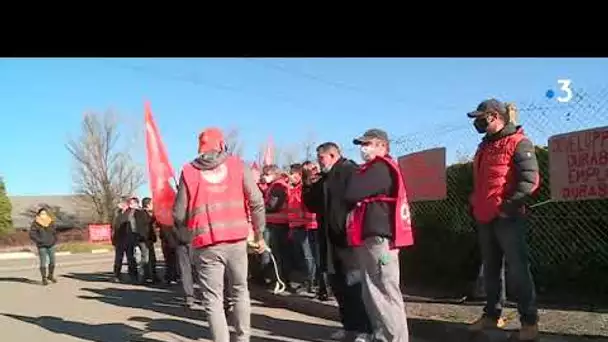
point(211, 139)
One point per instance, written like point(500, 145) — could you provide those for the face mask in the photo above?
point(326, 168)
point(268, 179)
point(481, 125)
point(366, 152)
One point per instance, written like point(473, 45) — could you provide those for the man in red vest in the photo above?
point(505, 174)
point(377, 226)
point(209, 211)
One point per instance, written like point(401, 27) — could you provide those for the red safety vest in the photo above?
point(402, 227)
point(263, 187)
point(282, 216)
point(493, 175)
point(299, 215)
point(216, 211)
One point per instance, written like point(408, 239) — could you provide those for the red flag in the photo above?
point(160, 172)
point(268, 153)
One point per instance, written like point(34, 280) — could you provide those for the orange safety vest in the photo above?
point(282, 216)
point(299, 215)
point(402, 226)
point(216, 211)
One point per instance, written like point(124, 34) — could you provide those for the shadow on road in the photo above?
point(18, 280)
point(90, 332)
point(168, 303)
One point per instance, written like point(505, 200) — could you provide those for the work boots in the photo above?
point(528, 332)
point(486, 323)
point(51, 276)
point(45, 282)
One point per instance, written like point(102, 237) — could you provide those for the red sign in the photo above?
point(578, 165)
point(424, 175)
point(100, 233)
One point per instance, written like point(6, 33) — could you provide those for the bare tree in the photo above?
point(234, 144)
point(289, 155)
point(103, 172)
point(309, 145)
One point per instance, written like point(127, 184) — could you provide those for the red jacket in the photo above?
point(216, 211)
point(494, 174)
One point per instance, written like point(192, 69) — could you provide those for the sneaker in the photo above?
point(485, 323)
point(338, 335)
point(362, 338)
point(528, 332)
point(189, 302)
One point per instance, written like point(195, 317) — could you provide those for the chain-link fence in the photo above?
point(568, 240)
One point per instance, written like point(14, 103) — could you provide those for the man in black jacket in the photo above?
point(324, 197)
point(124, 239)
point(147, 237)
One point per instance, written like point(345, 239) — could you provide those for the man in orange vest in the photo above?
point(277, 220)
point(378, 225)
point(303, 225)
point(505, 174)
point(209, 211)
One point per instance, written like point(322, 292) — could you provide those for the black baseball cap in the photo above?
point(491, 105)
point(370, 134)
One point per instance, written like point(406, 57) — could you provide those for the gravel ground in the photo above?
point(441, 321)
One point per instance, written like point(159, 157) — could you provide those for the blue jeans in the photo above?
point(506, 237)
point(46, 255)
point(305, 241)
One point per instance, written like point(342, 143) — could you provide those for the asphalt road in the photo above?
point(85, 306)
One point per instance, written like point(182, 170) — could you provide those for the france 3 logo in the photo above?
point(565, 87)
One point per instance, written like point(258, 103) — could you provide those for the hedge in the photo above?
point(568, 240)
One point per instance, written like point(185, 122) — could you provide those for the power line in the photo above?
point(335, 84)
point(197, 79)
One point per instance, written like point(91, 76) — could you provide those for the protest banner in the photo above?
point(578, 165)
point(424, 174)
point(100, 233)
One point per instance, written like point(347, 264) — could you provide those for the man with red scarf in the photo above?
point(379, 178)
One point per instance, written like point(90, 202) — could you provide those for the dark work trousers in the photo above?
point(305, 242)
point(321, 277)
point(353, 316)
point(125, 247)
point(170, 256)
point(184, 259)
point(148, 259)
point(506, 237)
point(282, 248)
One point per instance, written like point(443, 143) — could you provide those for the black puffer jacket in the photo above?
point(43, 236)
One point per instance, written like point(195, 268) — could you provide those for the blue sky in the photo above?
point(42, 102)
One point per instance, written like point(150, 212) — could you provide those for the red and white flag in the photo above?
point(160, 172)
point(268, 158)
